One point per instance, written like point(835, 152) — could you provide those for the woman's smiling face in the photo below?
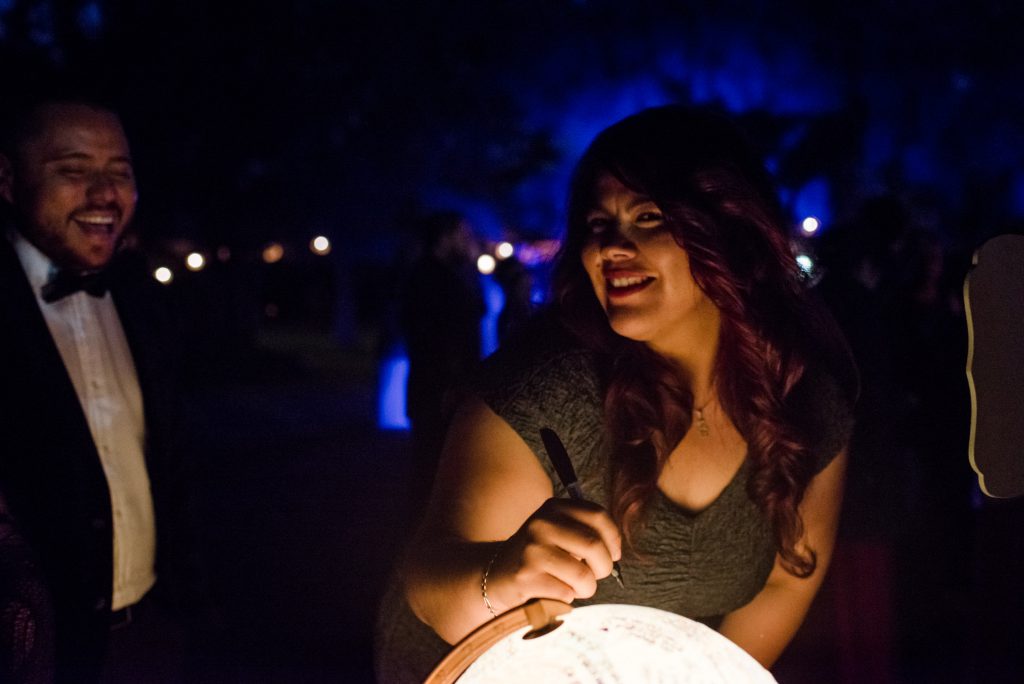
point(640, 274)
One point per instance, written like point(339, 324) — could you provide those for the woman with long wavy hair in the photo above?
point(704, 398)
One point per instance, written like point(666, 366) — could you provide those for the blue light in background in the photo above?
point(90, 19)
point(494, 300)
point(538, 295)
point(920, 164)
point(394, 372)
point(722, 64)
point(40, 20)
point(814, 199)
point(1017, 195)
point(879, 144)
point(5, 7)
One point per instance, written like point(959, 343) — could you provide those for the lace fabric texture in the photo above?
point(26, 615)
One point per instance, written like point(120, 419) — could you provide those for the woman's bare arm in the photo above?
point(765, 626)
point(491, 495)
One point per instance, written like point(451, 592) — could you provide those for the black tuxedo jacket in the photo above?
point(50, 469)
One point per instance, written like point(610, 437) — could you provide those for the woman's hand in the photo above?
point(559, 553)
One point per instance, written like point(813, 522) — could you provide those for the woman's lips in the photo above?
point(620, 285)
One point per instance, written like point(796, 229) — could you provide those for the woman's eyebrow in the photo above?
point(641, 199)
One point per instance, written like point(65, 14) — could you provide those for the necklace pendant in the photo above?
point(702, 425)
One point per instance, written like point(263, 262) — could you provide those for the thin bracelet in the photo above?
point(483, 582)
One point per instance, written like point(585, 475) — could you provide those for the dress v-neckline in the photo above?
point(696, 513)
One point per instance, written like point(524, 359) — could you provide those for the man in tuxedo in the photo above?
point(87, 398)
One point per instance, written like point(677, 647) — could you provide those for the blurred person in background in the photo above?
point(516, 285)
point(440, 312)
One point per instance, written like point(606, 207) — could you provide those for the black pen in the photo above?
point(567, 474)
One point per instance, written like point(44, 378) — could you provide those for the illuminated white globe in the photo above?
point(504, 250)
point(618, 643)
point(163, 275)
point(810, 225)
point(486, 264)
point(195, 261)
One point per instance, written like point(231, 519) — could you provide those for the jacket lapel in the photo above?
point(30, 342)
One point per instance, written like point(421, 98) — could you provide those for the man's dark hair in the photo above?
point(20, 121)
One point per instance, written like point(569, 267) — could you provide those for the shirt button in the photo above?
point(101, 603)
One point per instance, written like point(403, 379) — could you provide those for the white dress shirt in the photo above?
point(91, 341)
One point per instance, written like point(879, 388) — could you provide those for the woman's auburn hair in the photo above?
point(719, 203)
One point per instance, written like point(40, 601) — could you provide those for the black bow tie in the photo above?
point(67, 283)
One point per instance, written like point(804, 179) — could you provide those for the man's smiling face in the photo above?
point(72, 185)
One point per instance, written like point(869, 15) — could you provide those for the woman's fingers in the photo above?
point(576, 540)
point(588, 514)
point(564, 566)
point(546, 572)
point(559, 552)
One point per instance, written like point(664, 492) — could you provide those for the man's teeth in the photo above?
point(96, 220)
point(626, 282)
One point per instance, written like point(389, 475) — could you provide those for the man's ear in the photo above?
point(6, 178)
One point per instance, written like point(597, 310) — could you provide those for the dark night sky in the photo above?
point(283, 119)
